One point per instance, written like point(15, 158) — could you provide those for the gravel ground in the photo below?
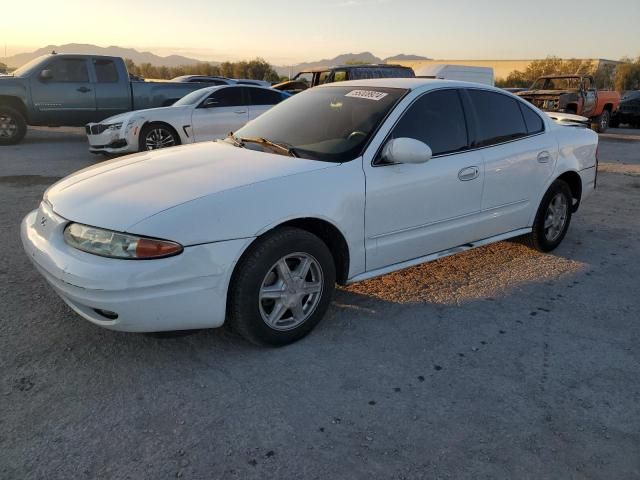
point(497, 363)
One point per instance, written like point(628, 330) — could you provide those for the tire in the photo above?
point(154, 136)
point(265, 309)
point(545, 239)
point(13, 126)
point(601, 122)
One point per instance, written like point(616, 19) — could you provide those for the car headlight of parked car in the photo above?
point(107, 243)
point(115, 126)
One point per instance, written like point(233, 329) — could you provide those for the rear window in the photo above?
point(261, 96)
point(498, 116)
point(531, 119)
point(379, 72)
point(106, 71)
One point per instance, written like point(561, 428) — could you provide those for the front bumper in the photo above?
point(187, 291)
point(123, 140)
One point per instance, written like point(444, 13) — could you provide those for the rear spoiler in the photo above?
point(569, 119)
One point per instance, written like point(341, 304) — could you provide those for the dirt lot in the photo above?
point(497, 363)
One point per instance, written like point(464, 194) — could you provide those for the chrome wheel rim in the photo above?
point(291, 291)
point(604, 121)
point(556, 217)
point(159, 138)
point(8, 126)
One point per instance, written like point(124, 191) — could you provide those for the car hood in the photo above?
point(120, 193)
point(150, 113)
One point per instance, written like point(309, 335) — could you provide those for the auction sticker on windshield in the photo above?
point(368, 94)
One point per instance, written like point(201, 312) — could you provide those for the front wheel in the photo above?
point(552, 219)
point(13, 126)
point(157, 135)
point(282, 287)
point(601, 122)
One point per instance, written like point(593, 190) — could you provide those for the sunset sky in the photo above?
point(287, 32)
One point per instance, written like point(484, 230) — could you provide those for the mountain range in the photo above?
point(138, 57)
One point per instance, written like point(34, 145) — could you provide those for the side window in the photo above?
point(106, 71)
point(69, 70)
point(227, 97)
point(437, 119)
point(531, 119)
point(498, 117)
point(262, 96)
point(340, 76)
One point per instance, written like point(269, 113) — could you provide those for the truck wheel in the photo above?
point(13, 126)
point(601, 122)
point(614, 122)
point(157, 135)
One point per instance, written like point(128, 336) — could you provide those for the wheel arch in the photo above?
point(573, 179)
point(164, 124)
point(15, 103)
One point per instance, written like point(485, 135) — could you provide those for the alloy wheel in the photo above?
point(556, 217)
point(8, 126)
point(291, 291)
point(159, 138)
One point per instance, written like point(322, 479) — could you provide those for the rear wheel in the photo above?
point(157, 135)
point(13, 126)
point(552, 219)
point(281, 288)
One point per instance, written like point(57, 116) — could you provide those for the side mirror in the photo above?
point(46, 74)
point(210, 102)
point(406, 150)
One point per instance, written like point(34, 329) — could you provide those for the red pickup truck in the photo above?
point(575, 94)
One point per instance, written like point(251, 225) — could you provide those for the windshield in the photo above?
point(565, 83)
point(192, 98)
point(332, 124)
point(28, 67)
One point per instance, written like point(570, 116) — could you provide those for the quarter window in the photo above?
point(106, 71)
point(437, 119)
point(69, 70)
point(531, 119)
point(498, 118)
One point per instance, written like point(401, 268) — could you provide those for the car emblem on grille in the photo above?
point(43, 221)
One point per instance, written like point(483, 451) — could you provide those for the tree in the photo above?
point(627, 76)
point(548, 66)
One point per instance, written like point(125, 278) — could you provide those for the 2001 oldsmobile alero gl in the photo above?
point(340, 183)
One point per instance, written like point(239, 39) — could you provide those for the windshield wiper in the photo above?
point(263, 141)
point(234, 141)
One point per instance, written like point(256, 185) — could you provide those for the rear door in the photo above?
point(519, 157)
point(224, 111)
point(262, 99)
point(68, 97)
point(111, 87)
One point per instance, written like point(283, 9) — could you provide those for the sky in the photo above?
point(286, 32)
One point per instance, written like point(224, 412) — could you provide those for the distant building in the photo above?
point(501, 68)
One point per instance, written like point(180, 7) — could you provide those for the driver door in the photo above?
point(66, 96)
point(224, 111)
point(414, 210)
point(590, 97)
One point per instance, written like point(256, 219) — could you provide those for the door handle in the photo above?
point(468, 173)
point(240, 111)
point(544, 157)
point(84, 89)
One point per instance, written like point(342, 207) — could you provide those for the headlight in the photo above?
point(107, 243)
point(115, 126)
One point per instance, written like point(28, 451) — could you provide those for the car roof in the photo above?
point(408, 84)
point(364, 65)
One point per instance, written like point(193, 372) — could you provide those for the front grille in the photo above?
point(95, 129)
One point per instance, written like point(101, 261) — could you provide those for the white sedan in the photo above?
point(340, 183)
point(205, 114)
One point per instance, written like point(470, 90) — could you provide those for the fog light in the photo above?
point(106, 314)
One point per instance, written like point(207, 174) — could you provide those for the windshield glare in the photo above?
point(192, 98)
point(329, 123)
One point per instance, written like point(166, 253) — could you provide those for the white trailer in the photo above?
point(463, 73)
